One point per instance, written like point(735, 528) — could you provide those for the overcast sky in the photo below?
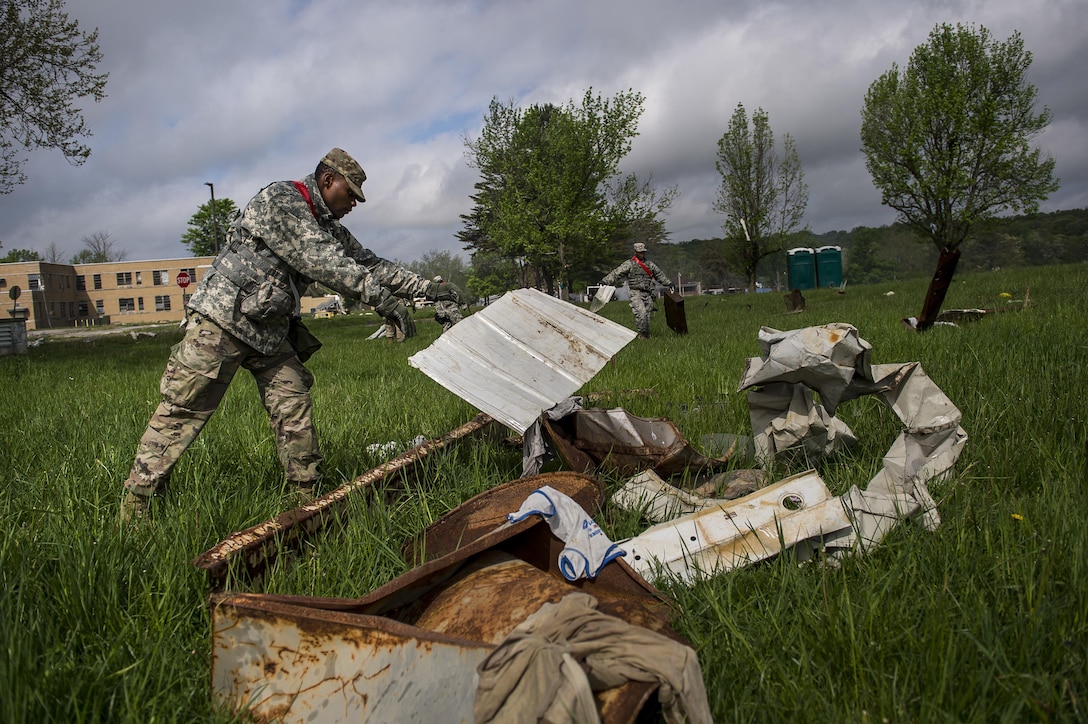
point(241, 93)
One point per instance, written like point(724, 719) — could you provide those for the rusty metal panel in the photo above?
point(487, 511)
point(288, 664)
point(522, 355)
point(739, 532)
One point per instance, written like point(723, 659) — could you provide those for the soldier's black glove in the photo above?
point(393, 309)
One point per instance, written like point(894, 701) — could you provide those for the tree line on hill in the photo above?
point(890, 253)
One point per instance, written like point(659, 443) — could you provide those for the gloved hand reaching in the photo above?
point(393, 309)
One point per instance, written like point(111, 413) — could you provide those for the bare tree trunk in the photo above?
point(938, 288)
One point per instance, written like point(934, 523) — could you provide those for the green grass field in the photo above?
point(984, 620)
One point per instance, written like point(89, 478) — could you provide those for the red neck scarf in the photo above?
point(306, 195)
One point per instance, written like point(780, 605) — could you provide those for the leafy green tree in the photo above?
point(492, 273)
point(636, 207)
point(207, 230)
point(763, 193)
point(541, 200)
point(21, 255)
point(864, 264)
point(46, 66)
point(441, 263)
point(948, 141)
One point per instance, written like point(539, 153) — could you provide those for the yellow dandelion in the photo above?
point(1005, 295)
point(1017, 516)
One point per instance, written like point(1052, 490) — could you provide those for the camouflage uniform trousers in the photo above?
point(642, 305)
point(447, 314)
point(198, 373)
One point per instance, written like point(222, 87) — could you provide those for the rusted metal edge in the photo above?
point(257, 546)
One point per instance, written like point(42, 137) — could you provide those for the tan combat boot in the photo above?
point(135, 509)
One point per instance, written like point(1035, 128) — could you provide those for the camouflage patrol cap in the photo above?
point(339, 160)
point(639, 247)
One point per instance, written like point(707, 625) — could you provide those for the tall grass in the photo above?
point(985, 619)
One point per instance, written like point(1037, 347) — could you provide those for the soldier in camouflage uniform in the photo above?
point(640, 276)
point(448, 301)
point(241, 312)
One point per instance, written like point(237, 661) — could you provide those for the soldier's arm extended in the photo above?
point(617, 275)
point(283, 220)
point(660, 276)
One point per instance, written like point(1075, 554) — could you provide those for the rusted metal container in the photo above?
point(409, 650)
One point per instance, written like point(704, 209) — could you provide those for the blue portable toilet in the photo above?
point(801, 268)
point(829, 266)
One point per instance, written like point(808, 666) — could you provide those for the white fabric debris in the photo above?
point(588, 549)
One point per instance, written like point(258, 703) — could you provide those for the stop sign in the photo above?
point(183, 279)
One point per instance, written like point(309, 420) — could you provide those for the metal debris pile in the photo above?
point(496, 619)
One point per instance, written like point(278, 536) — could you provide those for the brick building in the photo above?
point(120, 292)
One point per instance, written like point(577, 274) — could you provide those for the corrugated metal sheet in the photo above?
point(521, 355)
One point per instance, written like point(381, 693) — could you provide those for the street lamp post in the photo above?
point(215, 219)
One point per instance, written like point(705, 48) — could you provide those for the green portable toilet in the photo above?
point(801, 268)
point(829, 266)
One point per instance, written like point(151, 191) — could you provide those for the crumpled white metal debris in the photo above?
point(602, 297)
point(833, 361)
point(727, 534)
point(521, 355)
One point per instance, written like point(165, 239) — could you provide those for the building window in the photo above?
point(140, 303)
point(139, 278)
point(71, 309)
point(83, 306)
point(127, 304)
point(100, 307)
point(34, 282)
point(162, 303)
point(81, 283)
point(192, 275)
point(124, 279)
point(160, 278)
point(97, 281)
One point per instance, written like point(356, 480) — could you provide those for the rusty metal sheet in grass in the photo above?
point(409, 650)
point(522, 355)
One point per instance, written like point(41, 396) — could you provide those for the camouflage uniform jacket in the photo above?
point(275, 249)
point(636, 276)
